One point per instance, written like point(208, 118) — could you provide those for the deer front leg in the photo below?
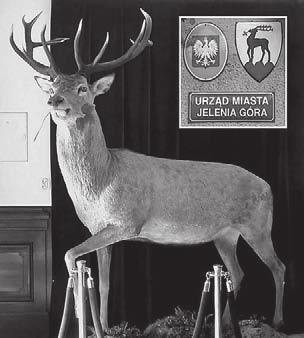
point(107, 236)
point(100, 241)
point(263, 54)
point(104, 262)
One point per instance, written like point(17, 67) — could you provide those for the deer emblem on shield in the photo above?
point(253, 42)
point(259, 46)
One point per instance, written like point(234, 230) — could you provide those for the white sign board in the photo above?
point(25, 169)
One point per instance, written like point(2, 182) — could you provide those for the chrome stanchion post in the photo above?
point(81, 298)
point(217, 300)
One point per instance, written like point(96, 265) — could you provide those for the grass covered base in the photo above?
point(181, 325)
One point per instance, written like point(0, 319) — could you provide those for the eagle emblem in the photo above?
point(205, 52)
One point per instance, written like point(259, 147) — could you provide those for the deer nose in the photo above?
point(55, 100)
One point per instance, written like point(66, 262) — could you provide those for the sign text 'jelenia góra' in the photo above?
point(231, 106)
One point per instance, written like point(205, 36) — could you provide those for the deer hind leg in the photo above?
point(260, 241)
point(249, 54)
point(226, 245)
point(263, 53)
point(268, 51)
point(266, 47)
point(104, 262)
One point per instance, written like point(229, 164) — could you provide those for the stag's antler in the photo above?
point(27, 53)
point(265, 28)
point(137, 47)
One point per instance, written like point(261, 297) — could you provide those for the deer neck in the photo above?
point(83, 156)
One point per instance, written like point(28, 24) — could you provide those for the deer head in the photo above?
point(72, 96)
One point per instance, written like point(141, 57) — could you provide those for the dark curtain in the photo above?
point(141, 113)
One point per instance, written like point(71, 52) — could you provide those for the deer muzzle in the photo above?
point(57, 104)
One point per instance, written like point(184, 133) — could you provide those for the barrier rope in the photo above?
point(94, 307)
point(202, 308)
point(67, 309)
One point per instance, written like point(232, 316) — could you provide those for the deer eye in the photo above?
point(51, 91)
point(82, 89)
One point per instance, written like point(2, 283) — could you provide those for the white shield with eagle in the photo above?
point(259, 46)
point(205, 51)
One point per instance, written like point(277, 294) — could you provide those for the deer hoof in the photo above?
point(278, 325)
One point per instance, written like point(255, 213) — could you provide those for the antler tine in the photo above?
point(77, 55)
point(141, 42)
point(143, 37)
point(102, 50)
point(31, 23)
point(148, 21)
point(53, 68)
point(30, 45)
point(27, 53)
point(39, 67)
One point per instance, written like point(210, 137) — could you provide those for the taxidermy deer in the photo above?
point(122, 195)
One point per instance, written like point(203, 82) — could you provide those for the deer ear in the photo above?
point(102, 85)
point(43, 83)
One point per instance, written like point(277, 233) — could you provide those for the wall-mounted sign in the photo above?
point(233, 72)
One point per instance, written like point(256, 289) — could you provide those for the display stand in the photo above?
point(80, 286)
point(217, 274)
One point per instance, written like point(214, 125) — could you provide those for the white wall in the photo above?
point(25, 177)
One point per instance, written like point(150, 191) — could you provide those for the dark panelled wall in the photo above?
point(141, 113)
